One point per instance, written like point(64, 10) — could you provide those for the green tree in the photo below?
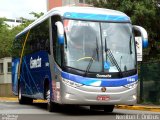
point(4, 38)
point(7, 35)
point(37, 15)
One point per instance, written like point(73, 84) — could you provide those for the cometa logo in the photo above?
point(107, 76)
point(35, 63)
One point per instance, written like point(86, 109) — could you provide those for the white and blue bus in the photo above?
point(77, 56)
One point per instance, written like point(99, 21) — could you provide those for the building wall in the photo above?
point(5, 70)
point(69, 2)
point(5, 77)
point(57, 3)
point(13, 22)
point(6, 90)
point(53, 3)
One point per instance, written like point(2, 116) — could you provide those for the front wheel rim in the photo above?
point(48, 96)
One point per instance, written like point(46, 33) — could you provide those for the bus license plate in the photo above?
point(103, 98)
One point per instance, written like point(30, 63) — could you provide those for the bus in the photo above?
point(77, 56)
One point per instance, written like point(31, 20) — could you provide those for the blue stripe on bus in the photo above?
point(100, 17)
point(100, 82)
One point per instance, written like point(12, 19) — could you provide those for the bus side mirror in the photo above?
point(144, 35)
point(60, 32)
point(141, 41)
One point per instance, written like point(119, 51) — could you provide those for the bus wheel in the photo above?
point(51, 107)
point(22, 99)
point(108, 108)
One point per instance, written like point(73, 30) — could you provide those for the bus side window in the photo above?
point(47, 46)
point(16, 48)
point(38, 39)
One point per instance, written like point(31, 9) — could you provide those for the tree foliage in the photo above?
point(4, 37)
point(37, 15)
point(7, 34)
point(145, 13)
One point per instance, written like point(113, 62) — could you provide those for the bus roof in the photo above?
point(82, 13)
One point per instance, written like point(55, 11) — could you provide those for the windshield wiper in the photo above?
point(112, 58)
point(130, 44)
point(93, 56)
point(97, 49)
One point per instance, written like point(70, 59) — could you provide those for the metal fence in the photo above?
point(150, 82)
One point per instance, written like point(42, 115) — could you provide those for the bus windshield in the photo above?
point(101, 46)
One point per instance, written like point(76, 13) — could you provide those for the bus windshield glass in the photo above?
point(99, 46)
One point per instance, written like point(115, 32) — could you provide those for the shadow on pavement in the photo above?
point(74, 110)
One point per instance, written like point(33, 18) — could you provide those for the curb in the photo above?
point(15, 99)
point(139, 107)
point(8, 99)
point(127, 107)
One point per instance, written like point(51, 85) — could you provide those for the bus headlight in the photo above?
point(134, 97)
point(71, 83)
point(131, 85)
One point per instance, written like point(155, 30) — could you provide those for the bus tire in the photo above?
point(108, 108)
point(51, 107)
point(22, 99)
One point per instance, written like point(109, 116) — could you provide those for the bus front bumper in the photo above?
point(89, 95)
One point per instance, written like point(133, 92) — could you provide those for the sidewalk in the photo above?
point(153, 108)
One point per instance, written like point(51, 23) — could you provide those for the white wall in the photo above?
point(12, 24)
point(5, 77)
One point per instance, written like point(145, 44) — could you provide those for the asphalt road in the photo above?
point(37, 111)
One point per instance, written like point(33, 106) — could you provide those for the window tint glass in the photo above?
point(1, 67)
point(38, 38)
point(9, 67)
